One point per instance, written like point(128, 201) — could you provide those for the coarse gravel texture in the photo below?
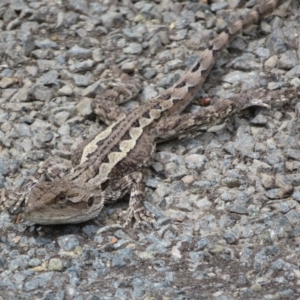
point(226, 199)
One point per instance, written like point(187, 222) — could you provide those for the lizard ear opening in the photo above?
point(104, 185)
point(90, 201)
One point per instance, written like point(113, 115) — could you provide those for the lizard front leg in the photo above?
point(133, 183)
point(107, 111)
point(124, 87)
point(13, 200)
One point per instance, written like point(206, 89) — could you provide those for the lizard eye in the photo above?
point(61, 197)
point(90, 201)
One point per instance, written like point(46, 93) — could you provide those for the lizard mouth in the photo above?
point(40, 218)
point(66, 212)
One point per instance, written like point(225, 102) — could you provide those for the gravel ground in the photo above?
point(228, 198)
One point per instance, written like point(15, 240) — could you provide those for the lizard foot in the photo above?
point(141, 216)
point(11, 201)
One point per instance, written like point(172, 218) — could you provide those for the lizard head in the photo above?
point(59, 202)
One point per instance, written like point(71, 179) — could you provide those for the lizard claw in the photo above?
point(141, 216)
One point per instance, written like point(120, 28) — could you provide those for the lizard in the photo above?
point(110, 164)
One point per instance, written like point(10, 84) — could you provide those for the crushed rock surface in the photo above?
point(227, 199)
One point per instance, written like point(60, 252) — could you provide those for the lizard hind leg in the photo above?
point(107, 111)
point(174, 126)
point(133, 182)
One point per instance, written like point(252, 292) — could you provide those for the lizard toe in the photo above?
point(142, 217)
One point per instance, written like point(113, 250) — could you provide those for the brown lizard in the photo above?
point(110, 164)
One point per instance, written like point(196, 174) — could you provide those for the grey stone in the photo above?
point(294, 72)
point(277, 42)
point(236, 76)
point(264, 256)
point(288, 59)
point(20, 262)
point(195, 161)
point(282, 226)
point(296, 195)
point(230, 237)
point(21, 95)
point(46, 44)
point(120, 257)
point(293, 154)
point(6, 82)
point(180, 35)
point(168, 80)
point(65, 91)
point(133, 48)
point(91, 90)
point(159, 247)
point(259, 120)
point(34, 262)
point(80, 6)
point(68, 242)
point(24, 130)
point(148, 93)
point(32, 70)
point(42, 93)
point(244, 141)
point(263, 52)
point(79, 52)
point(49, 78)
point(45, 64)
point(238, 209)
point(97, 55)
point(28, 44)
point(204, 204)
point(82, 80)
point(149, 73)
point(38, 281)
point(202, 243)
point(279, 193)
point(61, 117)
point(89, 230)
point(82, 66)
point(219, 6)
point(9, 15)
point(4, 166)
point(112, 19)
